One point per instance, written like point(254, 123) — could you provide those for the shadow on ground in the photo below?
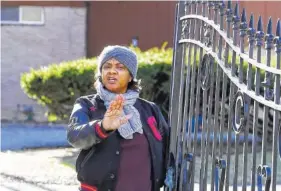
point(69, 158)
point(23, 180)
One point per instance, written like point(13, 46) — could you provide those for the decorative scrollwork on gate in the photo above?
point(207, 35)
point(185, 29)
point(269, 93)
point(236, 112)
point(188, 170)
point(206, 64)
point(221, 164)
point(264, 171)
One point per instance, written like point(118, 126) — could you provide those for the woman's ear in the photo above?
point(100, 79)
point(97, 80)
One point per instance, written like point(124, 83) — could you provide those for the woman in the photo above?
point(123, 138)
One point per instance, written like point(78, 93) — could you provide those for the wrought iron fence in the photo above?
point(225, 100)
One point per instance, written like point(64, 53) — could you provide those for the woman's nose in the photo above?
point(113, 70)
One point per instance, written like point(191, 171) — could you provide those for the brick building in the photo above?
point(35, 36)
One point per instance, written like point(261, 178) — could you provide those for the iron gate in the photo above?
point(225, 100)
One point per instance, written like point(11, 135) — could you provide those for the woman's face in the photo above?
point(115, 76)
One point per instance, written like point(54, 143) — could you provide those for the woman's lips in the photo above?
point(112, 80)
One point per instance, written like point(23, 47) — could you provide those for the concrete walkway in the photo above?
point(38, 170)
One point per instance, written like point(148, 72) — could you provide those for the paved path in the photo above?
point(38, 170)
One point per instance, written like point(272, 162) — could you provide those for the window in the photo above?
point(22, 15)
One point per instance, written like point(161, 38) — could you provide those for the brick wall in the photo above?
point(62, 37)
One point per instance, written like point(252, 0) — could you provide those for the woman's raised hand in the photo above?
point(113, 118)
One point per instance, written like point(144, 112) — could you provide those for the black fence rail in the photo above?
point(225, 100)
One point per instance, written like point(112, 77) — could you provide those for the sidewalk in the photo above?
point(38, 170)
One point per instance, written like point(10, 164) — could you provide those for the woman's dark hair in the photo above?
point(132, 85)
point(135, 85)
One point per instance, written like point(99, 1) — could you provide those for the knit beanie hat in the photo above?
point(121, 53)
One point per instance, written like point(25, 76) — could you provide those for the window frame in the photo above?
point(23, 22)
